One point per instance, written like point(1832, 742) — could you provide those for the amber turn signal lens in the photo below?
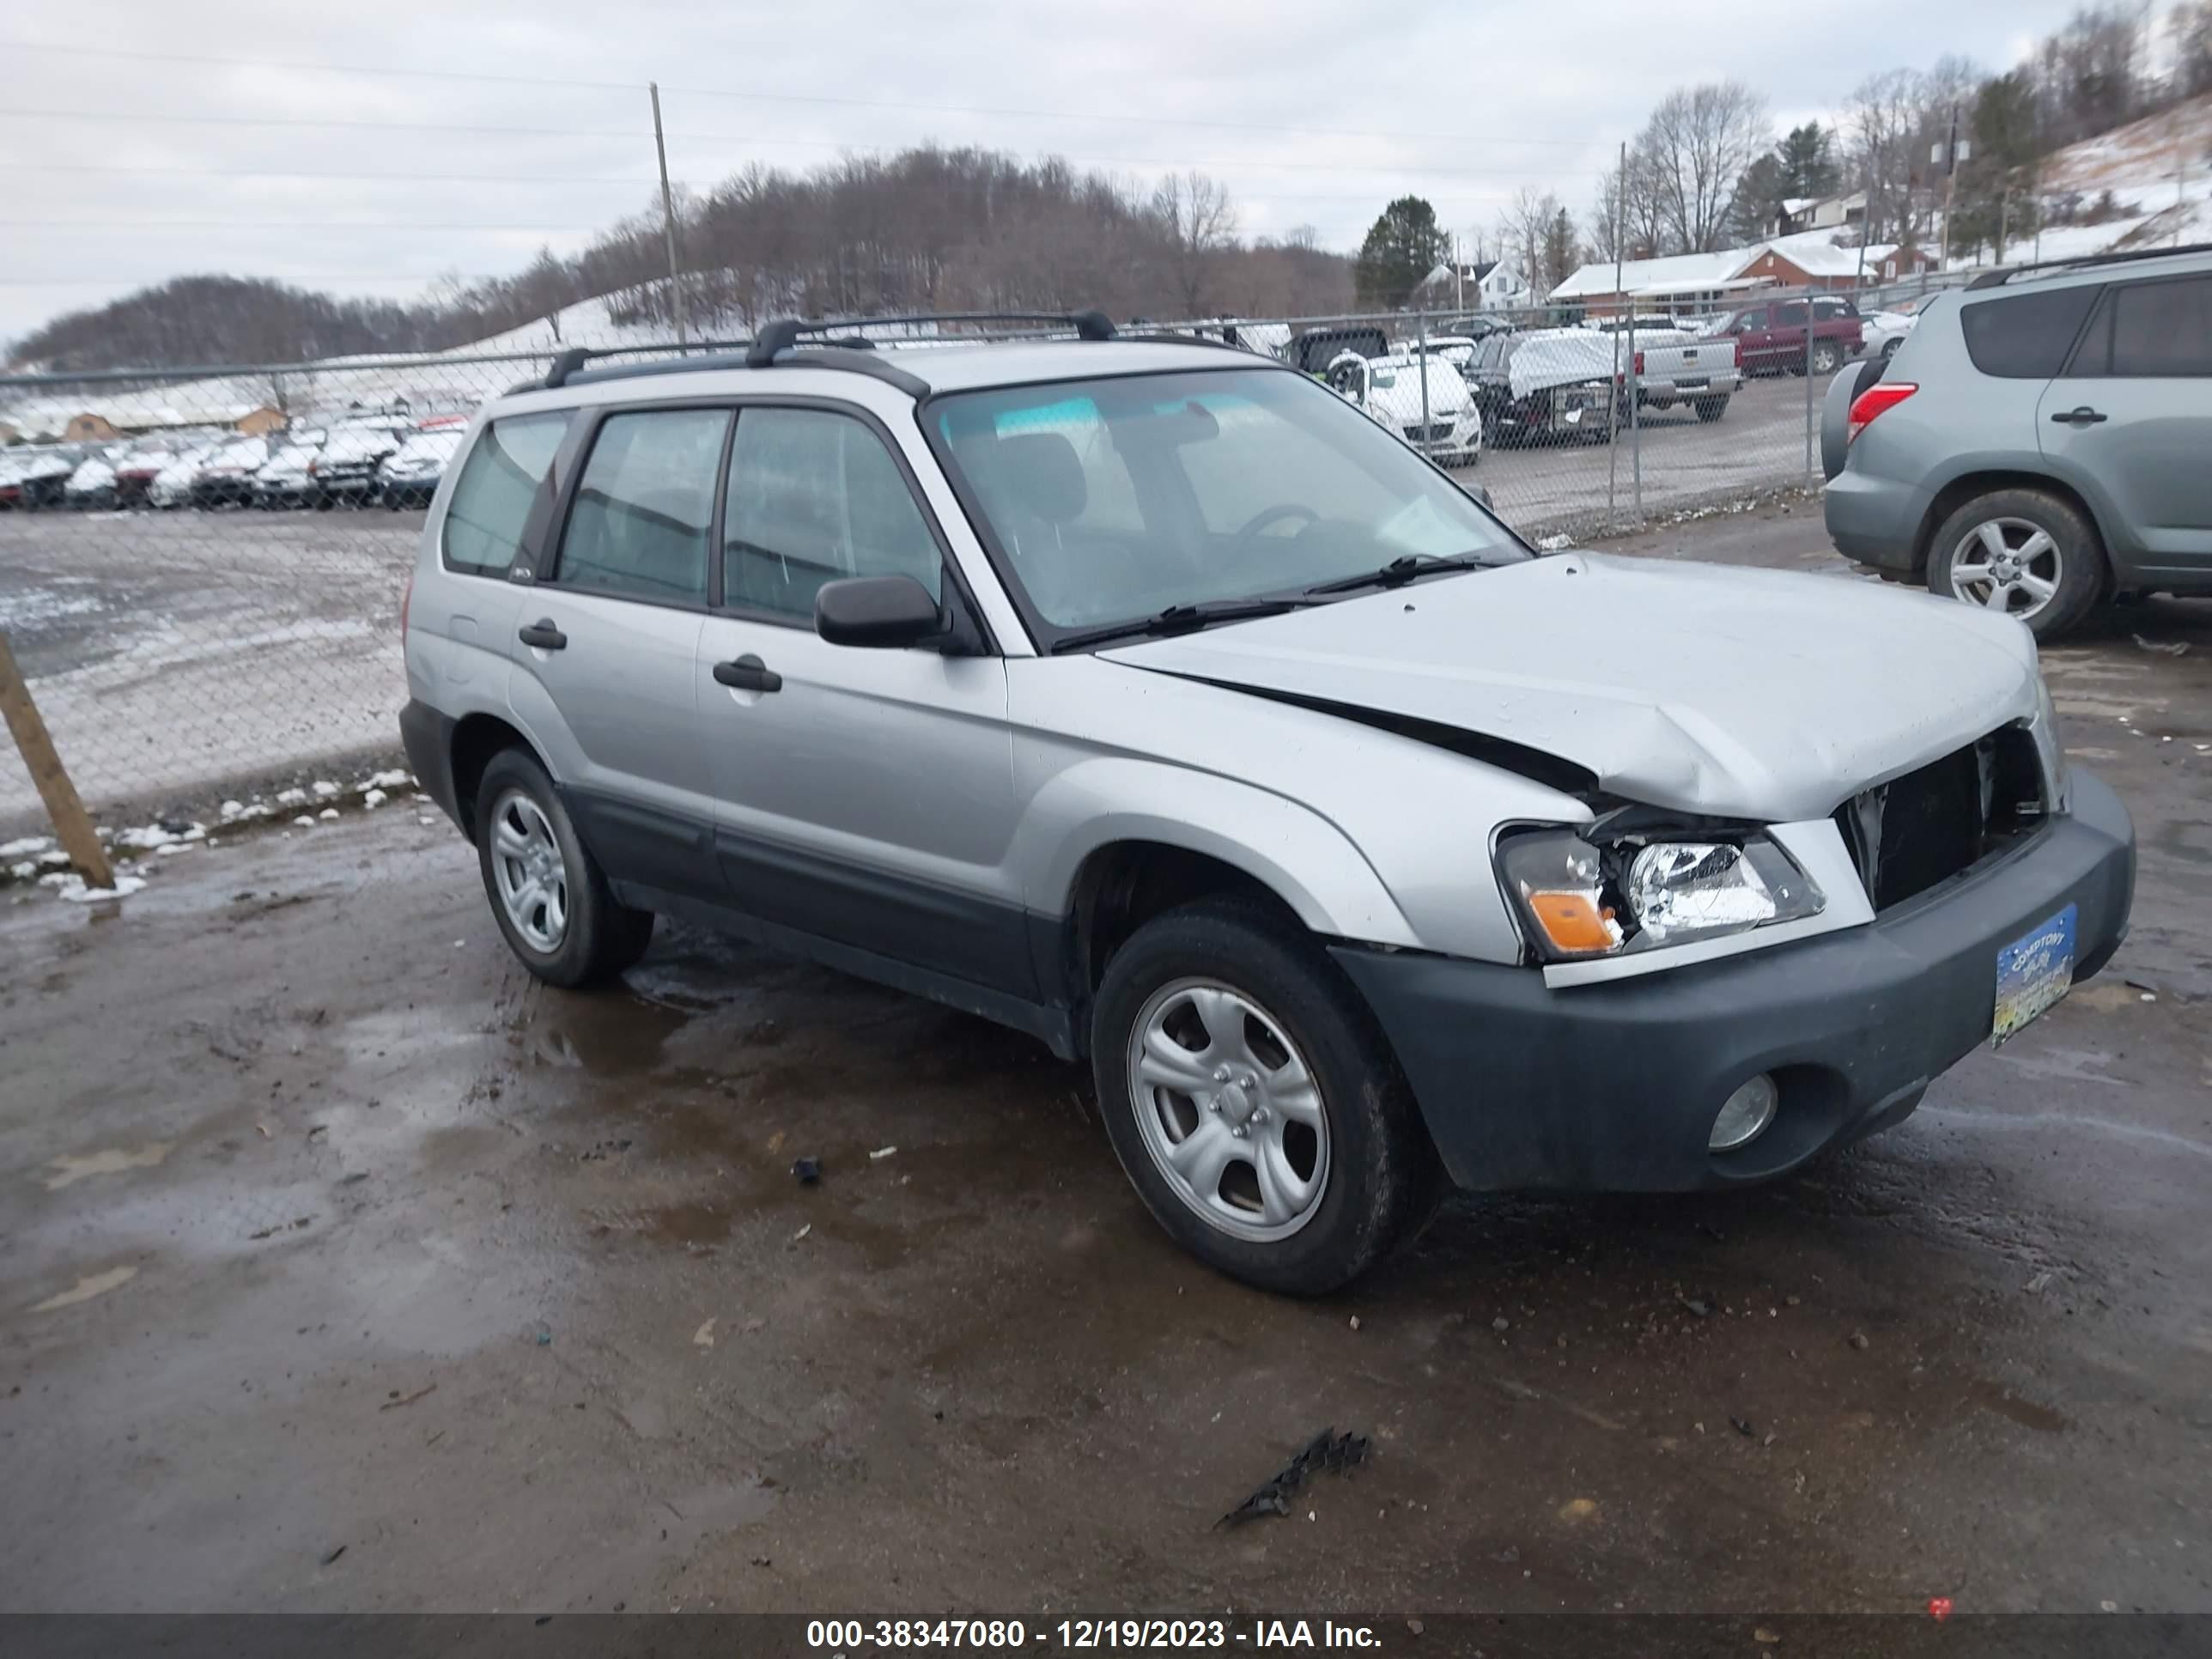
point(1574, 922)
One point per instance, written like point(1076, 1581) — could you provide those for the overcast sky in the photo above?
point(355, 147)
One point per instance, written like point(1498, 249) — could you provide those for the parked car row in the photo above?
point(359, 461)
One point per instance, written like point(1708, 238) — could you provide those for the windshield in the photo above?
point(1114, 499)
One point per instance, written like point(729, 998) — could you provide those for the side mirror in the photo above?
point(885, 612)
point(1481, 493)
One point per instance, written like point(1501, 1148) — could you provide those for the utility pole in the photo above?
point(1948, 153)
point(668, 221)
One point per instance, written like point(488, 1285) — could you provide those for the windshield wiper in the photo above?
point(1178, 619)
point(1402, 570)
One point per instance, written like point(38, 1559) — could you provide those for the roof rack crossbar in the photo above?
point(785, 332)
point(1999, 278)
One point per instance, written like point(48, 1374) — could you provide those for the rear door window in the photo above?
point(2150, 330)
point(497, 486)
point(639, 526)
point(2026, 337)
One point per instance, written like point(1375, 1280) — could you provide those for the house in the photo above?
point(1479, 285)
point(1502, 286)
point(1830, 213)
point(1692, 282)
point(95, 426)
point(1684, 282)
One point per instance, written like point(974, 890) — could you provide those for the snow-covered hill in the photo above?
point(2159, 170)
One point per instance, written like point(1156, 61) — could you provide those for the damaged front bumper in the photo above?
point(1614, 1086)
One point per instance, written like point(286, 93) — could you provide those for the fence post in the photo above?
point(1634, 421)
point(1812, 320)
point(1421, 329)
point(72, 827)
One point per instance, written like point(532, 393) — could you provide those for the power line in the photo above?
point(979, 187)
point(757, 95)
point(276, 224)
point(1222, 163)
point(286, 172)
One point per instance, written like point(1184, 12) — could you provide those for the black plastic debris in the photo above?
point(808, 1169)
point(1742, 1426)
point(1328, 1452)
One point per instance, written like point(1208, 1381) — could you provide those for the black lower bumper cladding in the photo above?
point(1613, 1087)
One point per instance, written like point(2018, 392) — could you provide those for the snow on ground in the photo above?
point(222, 645)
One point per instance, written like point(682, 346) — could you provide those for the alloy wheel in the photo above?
point(2010, 566)
point(1229, 1109)
point(531, 876)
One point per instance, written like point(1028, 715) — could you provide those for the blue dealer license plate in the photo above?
point(2032, 973)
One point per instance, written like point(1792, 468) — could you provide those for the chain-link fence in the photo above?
point(200, 574)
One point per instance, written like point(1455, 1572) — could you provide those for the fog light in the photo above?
point(1744, 1115)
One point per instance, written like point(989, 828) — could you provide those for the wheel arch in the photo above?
point(477, 738)
point(1957, 492)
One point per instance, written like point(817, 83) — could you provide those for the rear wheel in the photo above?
point(1827, 357)
point(1711, 408)
point(2022, 553)
point(1254, 1104)
point(548, 894)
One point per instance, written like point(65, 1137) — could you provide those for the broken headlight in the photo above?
point(1598, 895)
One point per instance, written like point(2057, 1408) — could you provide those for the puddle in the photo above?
point(112, 1160)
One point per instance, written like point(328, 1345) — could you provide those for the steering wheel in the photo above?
point(1266, 516)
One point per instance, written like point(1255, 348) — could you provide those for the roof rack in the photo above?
point(1999, 278)
point(851, 351)
point(784, 332)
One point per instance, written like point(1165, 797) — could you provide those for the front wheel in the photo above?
point(1254, 1102)
point(1711, 409)
point(1889, 347)
point(548, 894)
point(2026, 554)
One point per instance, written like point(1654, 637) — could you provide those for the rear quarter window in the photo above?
point(2026, 337)
point(499, 483)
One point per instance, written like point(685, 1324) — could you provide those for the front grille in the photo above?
point(1433, 434)
point(1914, 832)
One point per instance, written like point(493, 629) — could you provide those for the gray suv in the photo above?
point(1146, 697)
point(2039, 442)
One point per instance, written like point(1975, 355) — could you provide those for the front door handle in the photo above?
point(543, 634)
point(748, 673)
point(2084, 416)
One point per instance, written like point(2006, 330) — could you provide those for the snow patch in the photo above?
point(71, 888)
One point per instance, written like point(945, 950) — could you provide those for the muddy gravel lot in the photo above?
point(342, 1266)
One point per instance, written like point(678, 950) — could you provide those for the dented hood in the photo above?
point(1742, 693)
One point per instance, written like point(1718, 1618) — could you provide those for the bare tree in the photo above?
point(1199, 224)
point(1693, 148)
point(1883, 119)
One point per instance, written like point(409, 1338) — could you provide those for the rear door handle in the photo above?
point(543, 634)
point(748, 673)
point(2084, 416)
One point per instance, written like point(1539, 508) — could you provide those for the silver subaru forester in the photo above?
point(1143, 695)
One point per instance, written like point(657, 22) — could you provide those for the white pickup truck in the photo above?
point(1675, 366)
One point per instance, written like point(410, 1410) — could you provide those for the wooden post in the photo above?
point(72, 825)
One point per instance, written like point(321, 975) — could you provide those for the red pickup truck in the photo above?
point(1770, 336)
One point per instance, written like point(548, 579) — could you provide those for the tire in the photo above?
point(1828, 357)
point(588, 937)
point(1711, 408)
point(1889, 347)
point(2073, 563)
point(1374, 1174)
